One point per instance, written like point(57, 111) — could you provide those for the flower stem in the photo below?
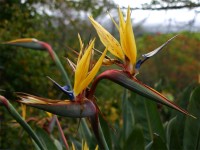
point(57, 61)
point(21, 121)
point(62, 133)
point(96, 126)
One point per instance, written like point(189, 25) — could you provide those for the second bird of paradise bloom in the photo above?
point(126, 51)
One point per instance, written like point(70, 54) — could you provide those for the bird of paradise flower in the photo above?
point(78, 105)
point(126, 51)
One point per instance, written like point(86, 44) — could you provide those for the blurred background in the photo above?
point(58, 22)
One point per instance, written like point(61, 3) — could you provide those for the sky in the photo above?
point(179, 19)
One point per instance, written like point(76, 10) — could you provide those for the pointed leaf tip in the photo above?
point(192, 116)
point(66, 108)
point(23, 40)
point(26, 43)
point(127, 81)
point(152, 53)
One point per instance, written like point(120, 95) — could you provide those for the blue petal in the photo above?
point(138, 64)
point(64, 89)
point(152, 53)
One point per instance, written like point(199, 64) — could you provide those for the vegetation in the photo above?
point(128, 120)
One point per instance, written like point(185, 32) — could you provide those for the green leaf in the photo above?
point(21, 121)
point(135, 141)
point(117, 137)
point(147, 115)
point(106, 130)
point(45, 139)
point(27, 43)
point(85, 133)
point(185, 97)
point(58, 144)
point(156, 144)
point(172, 136)
point(191, 138)
point(177, 124)
point(126, 80)
point(128, 116)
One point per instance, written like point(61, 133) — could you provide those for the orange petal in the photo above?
point(108, 40)
point(82, 68)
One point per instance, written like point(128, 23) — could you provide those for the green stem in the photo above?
point(57, 61)
point(66, 78)
point(124, 111)
point(64, 74)
point(96, 126)
point(85, 129)
point(21, 121)
point(148, 120)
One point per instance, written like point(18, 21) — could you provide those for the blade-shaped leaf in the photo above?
point(58, 144)
point(127, 81)
point(135, 140)
point(45, 139)
point(128, 116)
point(178, 125)
point(156, 144)
point(172, 135)
point(191, 139)
point(147, 115)
point(85, 133)
point(107, 130)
